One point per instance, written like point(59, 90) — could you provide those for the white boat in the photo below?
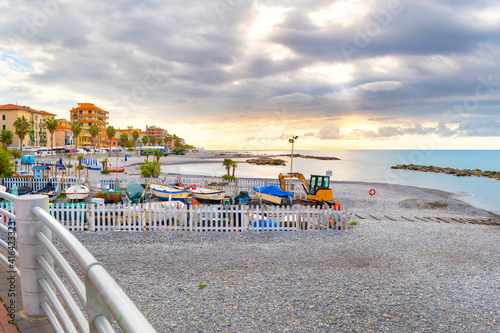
point(207, 194)
point(77, 192)
point(169, 192)
point(274, 195)
point(3, 188)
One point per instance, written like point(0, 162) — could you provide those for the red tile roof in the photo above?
point(24, 108)
point(87, 106)
point(63, 127)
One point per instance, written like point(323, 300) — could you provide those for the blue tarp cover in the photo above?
point(40, 167)
point(273, 190)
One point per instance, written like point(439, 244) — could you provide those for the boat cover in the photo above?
point(273, 190)
point(134, 192)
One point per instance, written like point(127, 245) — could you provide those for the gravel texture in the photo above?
point(379, 276)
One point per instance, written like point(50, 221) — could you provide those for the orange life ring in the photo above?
point(372, 191)
point(193, 186)
point(336, 206)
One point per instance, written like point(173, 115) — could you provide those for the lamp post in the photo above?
point(292, 140)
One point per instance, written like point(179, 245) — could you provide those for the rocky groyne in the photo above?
point(324, 158)
point(266, 161)
point(450, 171)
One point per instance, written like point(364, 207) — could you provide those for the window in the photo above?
point(3, 127)
point(3, 117)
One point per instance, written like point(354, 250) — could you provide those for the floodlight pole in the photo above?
point(292, 140)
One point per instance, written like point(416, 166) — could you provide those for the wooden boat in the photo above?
point(116, 170)
point(21, 190)
point(274, 195)
point(207, 194)
point(77, 192)
point(49, 191)
point(169, 192)
point(112, 196)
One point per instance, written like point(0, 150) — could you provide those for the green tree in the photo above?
point(135, 136)
point(227, 163)
point(6, 167)
point(79, 158)
point(167, 140)
point(110, 132)
point(234, 164)
point(148, 152)
point(52, 124)
point(22, 127)
point(152, 139)
point(159, 141)
point(158, 154)
point(76, 128)
point(123, 140)
point(6, 138)
point(94, 132)
point(150, 169)
point(145, 140)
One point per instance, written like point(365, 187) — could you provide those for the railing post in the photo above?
point(29, 247)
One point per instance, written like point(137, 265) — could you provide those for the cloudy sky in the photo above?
point(242, 74)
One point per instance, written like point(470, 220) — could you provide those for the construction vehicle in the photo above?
point(318, 189)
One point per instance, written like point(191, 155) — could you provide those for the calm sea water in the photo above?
point(373, 166)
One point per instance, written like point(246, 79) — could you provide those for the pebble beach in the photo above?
point(381, 275)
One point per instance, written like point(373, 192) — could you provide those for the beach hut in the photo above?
point(40, 171)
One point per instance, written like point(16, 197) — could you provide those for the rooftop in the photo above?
point(23, 108)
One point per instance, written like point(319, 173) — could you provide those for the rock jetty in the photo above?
point(450, 171)
point(266, 161)
point(324, 158)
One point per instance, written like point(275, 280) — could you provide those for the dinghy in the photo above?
point(169, 192)
point(77, 192)
point(273, 195)
point(207, 195)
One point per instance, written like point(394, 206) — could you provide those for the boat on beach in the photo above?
point(136, 193)
point(274, 195)
point(77, 192)
point(110, 196)
point(169, 192)
point(21, 190)
point(3, 188)
point(49, 191)
point(207, 194)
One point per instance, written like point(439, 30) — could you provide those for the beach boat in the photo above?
point(49, 191)
point(110, 196)
point(207, 195)
point(169, 192)
point(274, 195)
point(116, 170)
point(136, 193)
point(3, 188)
point(77, 192)
point(22, 190)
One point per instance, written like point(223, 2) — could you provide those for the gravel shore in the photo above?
point(380, 276)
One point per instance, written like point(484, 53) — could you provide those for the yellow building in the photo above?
point(38, 137)
point(88, 114)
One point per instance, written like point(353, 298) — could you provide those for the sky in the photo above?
point(249, 75)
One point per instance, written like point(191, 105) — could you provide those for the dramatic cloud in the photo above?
point(259, 68)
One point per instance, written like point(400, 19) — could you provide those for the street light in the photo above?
point(292, 140)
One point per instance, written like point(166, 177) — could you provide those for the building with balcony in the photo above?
point(156, 131)
point(63, 137)
point(38, 137)
point(88, 114)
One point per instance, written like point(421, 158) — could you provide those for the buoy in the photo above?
point(336, 206)
point(372, 191)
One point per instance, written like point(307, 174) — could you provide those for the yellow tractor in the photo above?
point(318, 189)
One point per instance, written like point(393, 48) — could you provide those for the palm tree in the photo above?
point(23, 127)
point(145, 140)
point(76, 128)
point(123, 140)
point(147, 152)
point(234, 164)
point(227, 163)
point(152, 139)
point(160, 141)
point(167, 140)
point(158, 154)
point(52, 124)
point(6, 138)
point(79, 158)
point(135, 136)
point(94, 132)
point(110, 132)
point(69, 162)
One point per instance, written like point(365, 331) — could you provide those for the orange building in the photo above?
point(88, 114)
point(156, 131)
point(63, 136)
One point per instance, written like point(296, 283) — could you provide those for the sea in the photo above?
point(374, 166)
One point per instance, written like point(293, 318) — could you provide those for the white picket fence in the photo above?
point(231, 189)
point(138, 217)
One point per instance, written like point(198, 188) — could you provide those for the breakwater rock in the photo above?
point(450, 171)
point(324, 158)
point(266, 161)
